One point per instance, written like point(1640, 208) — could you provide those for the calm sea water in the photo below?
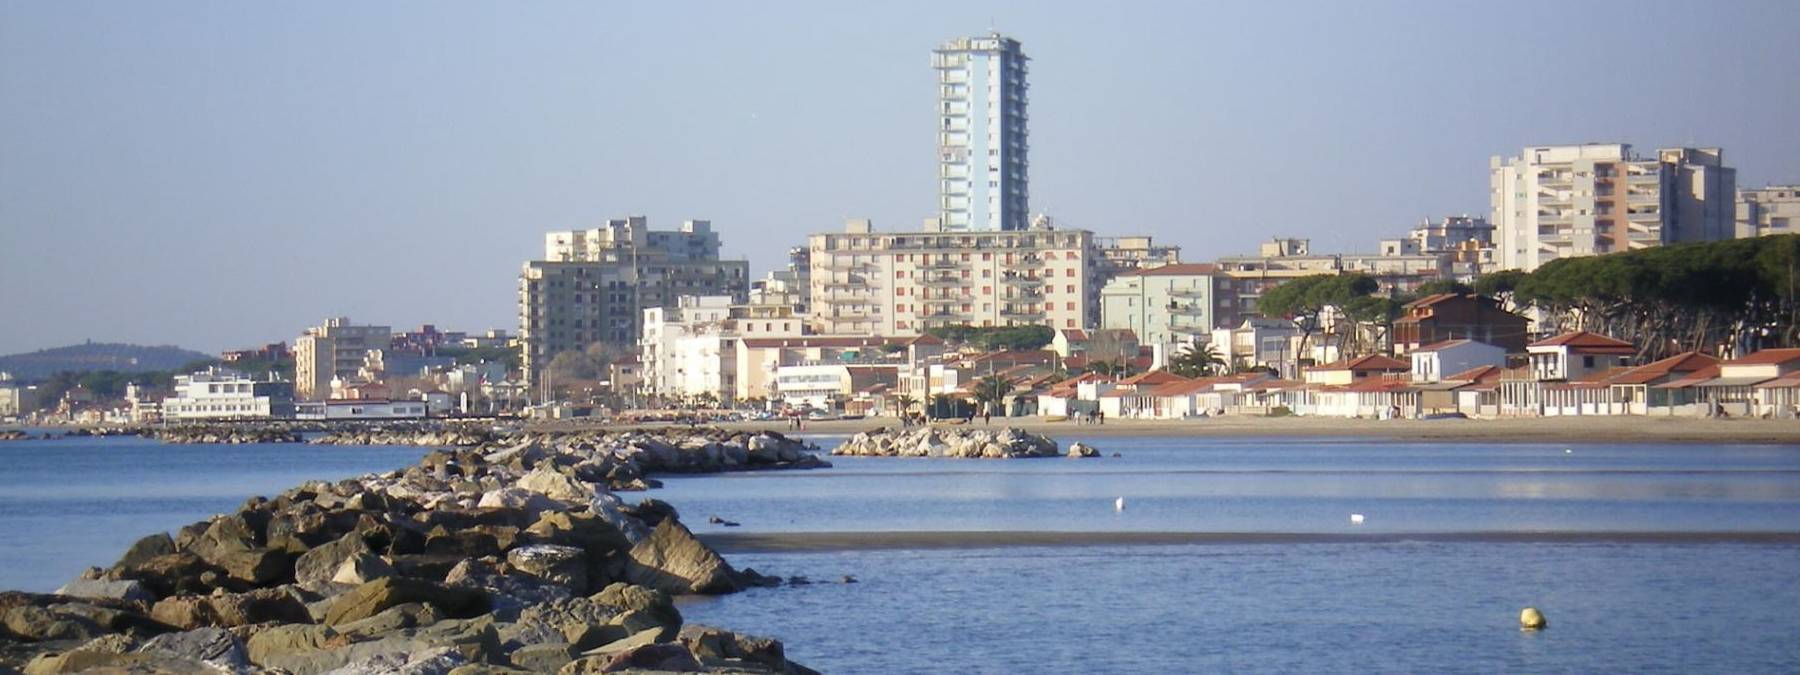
point(1377, 606)
point(1389, 606)
point(69, 504)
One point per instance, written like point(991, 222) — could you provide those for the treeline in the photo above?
point(1675, 298)
point(1738, 293)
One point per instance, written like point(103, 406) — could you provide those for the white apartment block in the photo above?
point(981, 139)
point(594, 285)
point(900, 284)
point(1771, 210)
point(217, 393)
point(687, 351)
point(1566, 201)
point(333, 350)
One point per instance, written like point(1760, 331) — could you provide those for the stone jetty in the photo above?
point(509, 556)
point(1005, 443)
point(223, 433)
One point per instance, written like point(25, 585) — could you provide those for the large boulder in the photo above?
point(101, 588)
point(673, 561)
point(556, 485)
point(318, 567)
point(287, 640)
point(372, 598)
point(720, 647)
point(518, 498)
point(37, 624)
point(561, 565)
point(144, 549)
point(649, 601)
point(213, 646)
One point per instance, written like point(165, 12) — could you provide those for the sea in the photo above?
point(1180, 554)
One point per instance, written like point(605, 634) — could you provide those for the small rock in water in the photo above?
point(847, 579)
point(1117, 455)
point(721, 521)
point(799, 581)
point(1531, 619)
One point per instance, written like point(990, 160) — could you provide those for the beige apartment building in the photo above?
point(901, 283)
point(1771, 210)
point(335, 349)
point(1566, 201)
point(594, 285)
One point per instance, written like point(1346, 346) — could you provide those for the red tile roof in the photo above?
point(1589, 342)
point(1766, 357)
point(1370, 362)
point(1478, 374)
point(1181, 388)
point(1700, 376)
point(1152, 378)
point(1678, 364)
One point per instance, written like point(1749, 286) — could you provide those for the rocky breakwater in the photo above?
point(471, 561)
point(949, 442)
point(222, 433)
point(13, 435)
point(449, 436)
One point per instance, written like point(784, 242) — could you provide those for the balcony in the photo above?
point(1026, 295)
point(842, 300)
point(944, 264)
point(1187, 328)
point(1189, 309)
point(850, 282)
point(1187, 293)
point(1028, 262)
point(942, 314)
point(846, 264)
point(936, 280)
point(1022, 281)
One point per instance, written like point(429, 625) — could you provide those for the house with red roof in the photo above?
point(1565, 375)
point(1758, 384)
point(1636, 391)
point(1351, 371)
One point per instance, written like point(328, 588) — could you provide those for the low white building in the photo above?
point(218, 393)
point(1434, 362)
point(362, 409)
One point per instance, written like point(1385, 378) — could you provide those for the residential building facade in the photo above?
point(1169, 305)
point(1566, 201)
point(1771, 210)
point(595, 284)
point(1449, 316)
point(333, 350)
point(900, 284)
point(983, 159)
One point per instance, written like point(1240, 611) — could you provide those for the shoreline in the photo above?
point(819, 542)
point(1599, 429)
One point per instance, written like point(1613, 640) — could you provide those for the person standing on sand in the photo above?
point(1100, 417)
point(987, 417)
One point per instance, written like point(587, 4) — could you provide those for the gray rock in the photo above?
point(287, 640)
point(438, 661)
point(545, 657)
point(673, 561)
point(38, 624)
point(116, 590)
point(215, 646)
point(561, 565)
point(317, 567)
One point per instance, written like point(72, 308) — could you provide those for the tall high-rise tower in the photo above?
point(982, 161)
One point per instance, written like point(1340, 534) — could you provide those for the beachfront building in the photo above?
point(1770, 210)
point(1260, 342)
point(1450, 316)
point(1435, 362)
point(362, 409)
point(336, 349)
point(760, 361)
point(1565, 375)
point(1351, 371)
point(982, 148)
point(902, 283)
point(1567, 201)
point(593, 285)
point(223, 394)
point(1168, 305)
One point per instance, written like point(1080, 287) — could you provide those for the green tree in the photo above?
point(1196, 360)
point(992, 390)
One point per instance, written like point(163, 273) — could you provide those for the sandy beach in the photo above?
point(1512, 430)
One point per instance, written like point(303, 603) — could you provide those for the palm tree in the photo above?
point(903, 403)
point(993, 389)
point(1197, 361)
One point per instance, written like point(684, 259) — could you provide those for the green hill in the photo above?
point(97, 356)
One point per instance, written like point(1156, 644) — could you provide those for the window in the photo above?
point(1071, 288)
point(1069, 272)
point(1070, 306)
point(1587, 361)
point(987, 290)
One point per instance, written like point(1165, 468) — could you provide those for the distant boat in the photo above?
point(1119, 504)
point(1356, 519)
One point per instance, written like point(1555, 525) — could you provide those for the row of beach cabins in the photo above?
point(1576, 373)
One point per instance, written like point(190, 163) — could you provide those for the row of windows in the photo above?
point(986, 307)
point(987, 290)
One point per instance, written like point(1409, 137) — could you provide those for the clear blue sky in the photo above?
point(218, 174)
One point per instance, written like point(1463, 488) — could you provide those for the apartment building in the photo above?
point(790, 286)
point(1281, 260)
point(1169, 304)
point(594, 285)
point(686, 350)
point(1771, 210)
point(901, 283)
point(334, 350)
point(1466, 241)
point(983, 167)
point(1566, 201)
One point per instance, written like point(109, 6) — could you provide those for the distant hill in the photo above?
point(95, 356)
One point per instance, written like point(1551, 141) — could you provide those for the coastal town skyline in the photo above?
point(218, 205)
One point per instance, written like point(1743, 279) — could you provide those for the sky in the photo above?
point(217, 175)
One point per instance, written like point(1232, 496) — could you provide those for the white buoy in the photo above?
point(1356, 519)
point(1119, 504)
point(1568, 451)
